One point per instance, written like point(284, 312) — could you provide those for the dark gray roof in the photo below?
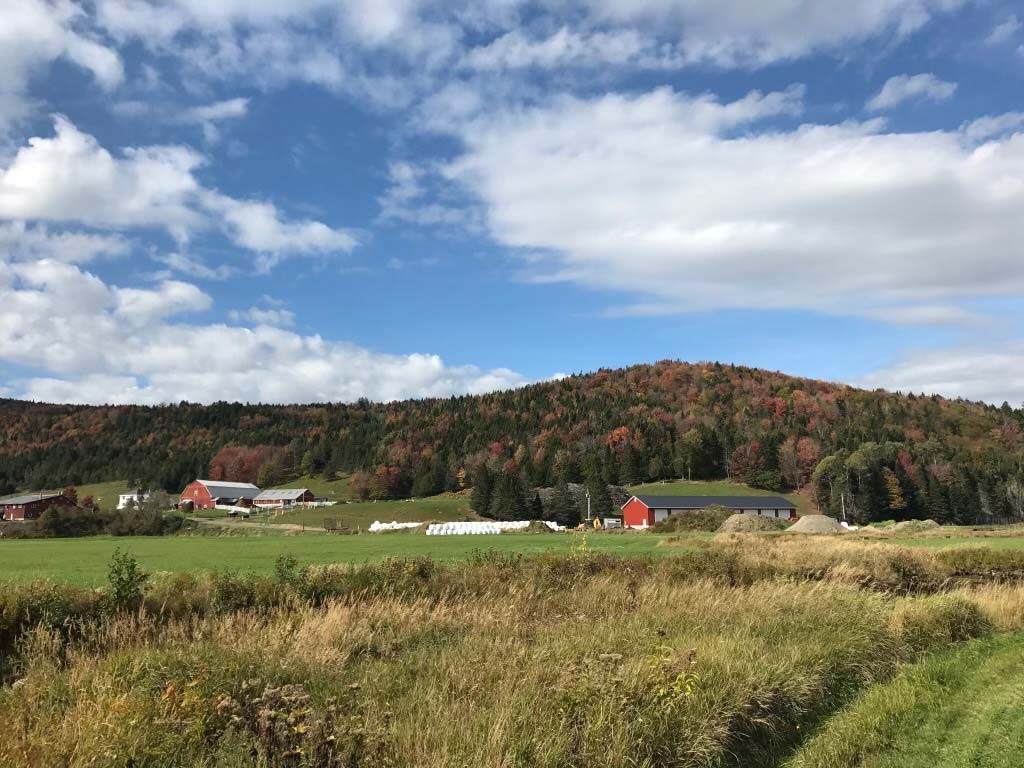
point(731, 502)
point(222, 489)
point(25, 498)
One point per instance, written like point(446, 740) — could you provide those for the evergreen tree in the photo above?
point(483, 489)
point(536, 507)
point(564, 509)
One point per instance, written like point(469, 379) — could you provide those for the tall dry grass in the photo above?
point(721, 657)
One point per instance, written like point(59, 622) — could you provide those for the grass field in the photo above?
point(335, 490)
point(85, 561)
point(359, 515)
point(960, 709)
point(718, 488)
point(746, 654)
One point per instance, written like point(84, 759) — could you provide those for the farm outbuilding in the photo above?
point(30, 506)
point(207, 494)
point(644, 511)
point(284, 498)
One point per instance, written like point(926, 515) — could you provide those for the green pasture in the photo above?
point(360, 515)
point(85, 561)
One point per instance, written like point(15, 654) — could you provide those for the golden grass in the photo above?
point(723, 656)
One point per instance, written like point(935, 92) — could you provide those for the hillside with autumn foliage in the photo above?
point(878, 455)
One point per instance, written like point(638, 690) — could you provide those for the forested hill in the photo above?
point(878, 454)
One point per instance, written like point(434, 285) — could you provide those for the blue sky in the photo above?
point(325, 200)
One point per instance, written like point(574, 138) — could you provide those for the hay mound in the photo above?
point(817, 524)
point(915, 526)
point(708, 519)
point(750, 524)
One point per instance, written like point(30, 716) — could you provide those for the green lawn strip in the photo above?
point(959, 709)
point(360, 515)
point(716, 488)
point(85, 561)
point(334, 490)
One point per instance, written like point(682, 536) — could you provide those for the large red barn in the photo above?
point(207, 494)
point(645, 511)
point(30, 506)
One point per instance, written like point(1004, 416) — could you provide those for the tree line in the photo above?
point(870, 454)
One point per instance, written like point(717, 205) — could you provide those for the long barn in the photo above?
point(207, 494)
point(644, 511)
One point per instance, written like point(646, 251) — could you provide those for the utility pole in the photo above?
point(588, 504)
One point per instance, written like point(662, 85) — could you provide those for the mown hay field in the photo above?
point(733, 653)
point(84, 561)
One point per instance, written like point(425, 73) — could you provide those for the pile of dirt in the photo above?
point(914, 526)
point(817, 524)
point(708, 520)
point(751, 524)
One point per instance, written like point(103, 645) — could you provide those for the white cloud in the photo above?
point(907, 87)
point(994, 125)
point(566, 47)
point(71, 178)
point(994, 374)
point(102, 343)
point(281, 318)
point(741, 33)
point(194, 267)
point(682, 201)
point(220, 110)
point(259, 227)
point(391, 52)
point(1005, 31)
point(35, 33)
point(19, 242)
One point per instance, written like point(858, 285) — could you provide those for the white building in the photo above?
point(135, 497)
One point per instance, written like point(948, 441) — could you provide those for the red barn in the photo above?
point(645, 511)
point(207, 494)
point(30, 506)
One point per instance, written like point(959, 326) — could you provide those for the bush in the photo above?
point(709, 519)
point(936, 621)
point(127, 580)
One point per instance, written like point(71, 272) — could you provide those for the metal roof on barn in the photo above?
point(285, 494)
point(222, 489)
point(27, 498)
point(701, 502)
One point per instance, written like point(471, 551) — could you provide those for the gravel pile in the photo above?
point(750, 524)
point(817, 524)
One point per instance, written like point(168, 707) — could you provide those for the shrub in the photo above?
point(709, 519)
point(127, 580)
point(936, 621)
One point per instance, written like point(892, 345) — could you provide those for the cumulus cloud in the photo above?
point(35, 33)
point(393, 51)
point(994, 125)
point(101, 343)
point(1005, 31)
point(994, 375)
point(740, 33)
point(681, 199)
point(71, 178)
point(194, 267)
point(20, 242)
point(908, 87)
point(565, 47)
point(282, 318)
